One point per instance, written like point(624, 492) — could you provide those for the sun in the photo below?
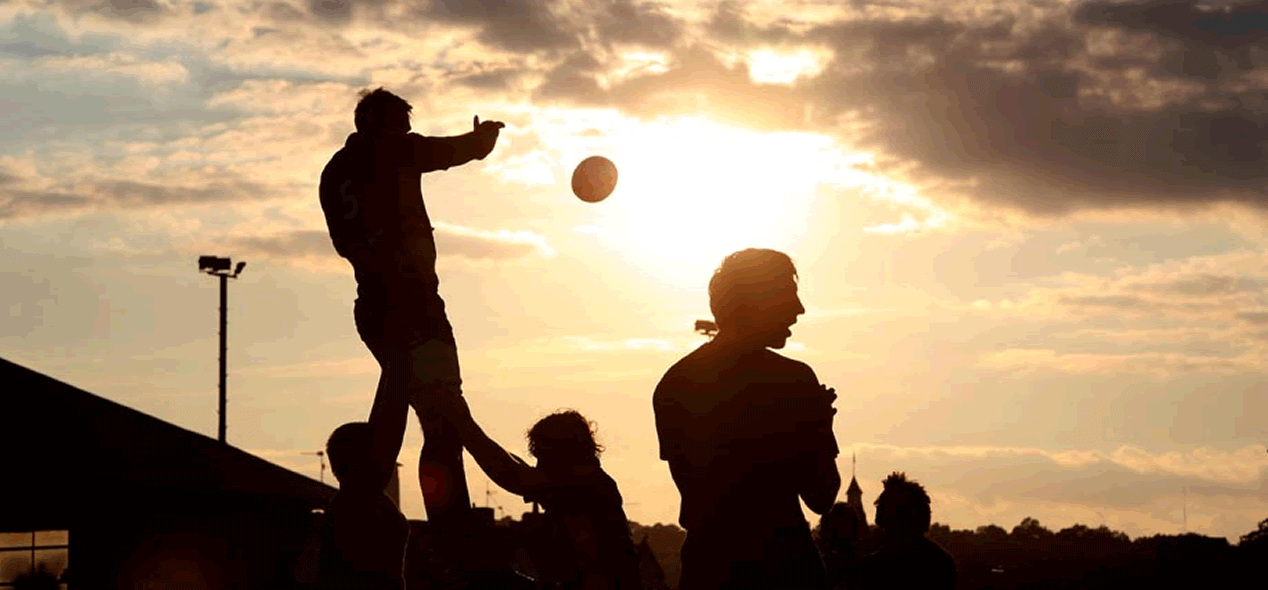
point(692, 190)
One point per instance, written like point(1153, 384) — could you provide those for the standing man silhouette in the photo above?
point(371, 196)
point(747, 432)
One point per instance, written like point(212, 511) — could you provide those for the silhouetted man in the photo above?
point(906, 558)
point(371, 196)
point(746, 433)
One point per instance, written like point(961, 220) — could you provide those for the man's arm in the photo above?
point(822, 479)
point(441, 153)
point(508, 471)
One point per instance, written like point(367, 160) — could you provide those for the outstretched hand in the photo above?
point(487, 132)
point(487, 126)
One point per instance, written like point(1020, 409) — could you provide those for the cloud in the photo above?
point(1041, 110)
point(475, 244)
point(116, 194)
point(1140, 488)
point(1024, 362)
point(313, 247)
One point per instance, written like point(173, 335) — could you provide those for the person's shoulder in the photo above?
point(795, 370)
point(688, 368)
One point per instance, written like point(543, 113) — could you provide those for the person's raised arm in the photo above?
point(442, 153)
point(506, 470)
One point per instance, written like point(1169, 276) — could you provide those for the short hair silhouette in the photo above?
point(349, 450)
point(745, 277)
point(565, 435)
point(903, 507)
point(379, 109)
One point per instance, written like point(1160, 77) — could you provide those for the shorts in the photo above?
point(425, 344)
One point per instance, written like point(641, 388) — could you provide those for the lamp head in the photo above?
point(213, 263)
point(238, 270)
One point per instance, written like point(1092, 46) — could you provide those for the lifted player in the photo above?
point(371, 196)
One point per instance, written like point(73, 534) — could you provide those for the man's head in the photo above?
point(351, 459)
point(753, 295)
point(565, 437)
point(381, 112)
point(902, 509)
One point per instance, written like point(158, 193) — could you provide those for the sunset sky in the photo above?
point(1031, 235)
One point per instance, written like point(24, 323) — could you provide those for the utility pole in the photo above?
point(219, 267)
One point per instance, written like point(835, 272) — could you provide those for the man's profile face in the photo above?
point(776, 313)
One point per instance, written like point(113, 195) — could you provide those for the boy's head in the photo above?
point(754, 293)
point(351, 460)
point(380, 111)
point(902, 509)
point(564, 437)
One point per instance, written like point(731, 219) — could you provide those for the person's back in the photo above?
point(906, 558)
point(364, 535)
point(748, 434)
point(586, 532)
point(908, 563)
point(743, 423)
point(737, 419)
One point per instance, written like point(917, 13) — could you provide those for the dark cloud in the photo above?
point(334, 10)
point(574, 81)
point(1204, 285)
point(1042, 114)
point(497, 79)
point(18, 203)
point(513, 25)
point(135, 11)
point(1115, 301)
point(1258, 318)
point(638, 23)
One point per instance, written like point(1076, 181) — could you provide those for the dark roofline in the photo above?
point(55, 420)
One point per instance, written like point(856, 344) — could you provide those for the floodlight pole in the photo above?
point(220, 268)
point(224, 324)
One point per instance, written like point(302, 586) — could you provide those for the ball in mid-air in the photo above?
point(594, 179)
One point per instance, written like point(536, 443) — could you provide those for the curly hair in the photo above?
point(903, 506)
point(745, 277)
point(377, 108)
point(565, 435)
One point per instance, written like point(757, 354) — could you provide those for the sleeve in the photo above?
point(430, 154)
point(671, 418)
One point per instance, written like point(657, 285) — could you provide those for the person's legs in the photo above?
point(422, 356)
point(434, 366)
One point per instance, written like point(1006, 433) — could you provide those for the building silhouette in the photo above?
point(141, 503)
point(854, 497)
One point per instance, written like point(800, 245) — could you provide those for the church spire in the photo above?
point(854, 493)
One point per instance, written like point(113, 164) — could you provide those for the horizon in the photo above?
point(1030, 239)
